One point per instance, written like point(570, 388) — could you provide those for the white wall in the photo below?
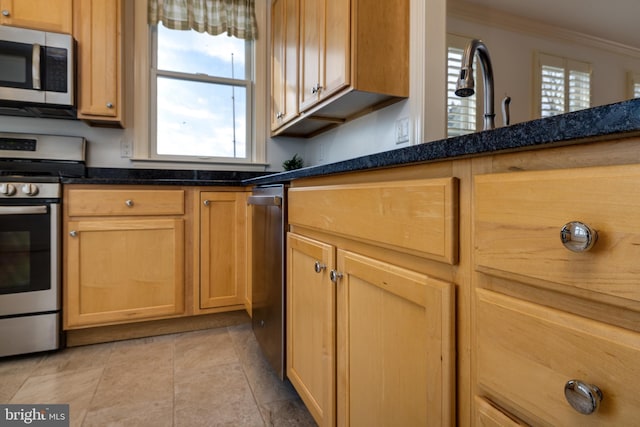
point(369, 134)
point(512, 58)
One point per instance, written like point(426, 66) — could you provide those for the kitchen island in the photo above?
point(441, 266)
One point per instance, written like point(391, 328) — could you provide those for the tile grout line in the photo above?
point(246, 377)
point(95, 390)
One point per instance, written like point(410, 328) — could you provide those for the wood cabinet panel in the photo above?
point(517, 230)
point(222, 249)
point(487, 415)
point(311, 328)
point(98, 32)
point(123, 270)
point(417, 216)
point(47, 15)
point(526, 353)
point(284, 61)
point(396, 345)
point(99, 202)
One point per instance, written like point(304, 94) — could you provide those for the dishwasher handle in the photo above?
point(264, 200)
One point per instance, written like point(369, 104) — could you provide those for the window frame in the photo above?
point(246, 82)
point(568, 65)
point(144, 148)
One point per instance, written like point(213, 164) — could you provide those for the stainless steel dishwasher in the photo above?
point(269, 223)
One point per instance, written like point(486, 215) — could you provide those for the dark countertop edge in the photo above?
point(611, 121)
point(117, 176)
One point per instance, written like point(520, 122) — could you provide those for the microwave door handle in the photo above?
point(35, 66)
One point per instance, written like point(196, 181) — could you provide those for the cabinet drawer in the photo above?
point(518, 218)
point(125, 202)
point(416, 216)
point(526, 353)
point(487, 415)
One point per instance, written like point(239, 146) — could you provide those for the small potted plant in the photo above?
point(295, 162)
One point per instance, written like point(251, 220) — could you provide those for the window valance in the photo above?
point(235, 17)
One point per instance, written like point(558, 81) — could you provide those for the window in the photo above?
point(563, 85)
point(461, 112)
point(199, 98)
point(202, 90)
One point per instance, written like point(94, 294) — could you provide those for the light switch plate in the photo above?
point(402, 130)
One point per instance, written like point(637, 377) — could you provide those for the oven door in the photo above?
point(29, 255)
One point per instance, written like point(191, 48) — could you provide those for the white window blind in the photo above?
point(461, 112)
point(564, 85)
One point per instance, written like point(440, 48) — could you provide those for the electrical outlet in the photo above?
point(125, 149)
point(402, 130)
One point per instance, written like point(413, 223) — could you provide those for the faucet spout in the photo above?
point(465, 84)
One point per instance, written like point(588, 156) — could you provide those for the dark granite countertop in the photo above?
point(115, 176)
point(599, 123)
point(594, 124)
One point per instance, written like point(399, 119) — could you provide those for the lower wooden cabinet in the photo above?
point(369, 343)
point(527, 353)
point(120, 270)
point(223, 249)
point(311, 325)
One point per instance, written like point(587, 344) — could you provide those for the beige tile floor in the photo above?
point(215, 377)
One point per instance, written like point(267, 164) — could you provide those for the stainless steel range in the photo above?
point(31, 167)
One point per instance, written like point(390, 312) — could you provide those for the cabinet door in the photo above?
point(324, 49)
point(284, 62)
point(97, 30)
point(311, 51)
point(396, 356)
point(221, 249)
point(311, 325)
point(47, 15)
point(336, 54)
point(124, 269)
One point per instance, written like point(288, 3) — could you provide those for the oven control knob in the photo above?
point(30, 189)
point(7, 189)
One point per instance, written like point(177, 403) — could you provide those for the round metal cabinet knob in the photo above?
point(584, 398)
point(578, 237)
point(109, 105)
point(206, 202)
point(5, 12)
point(73, 233)
point(335, 276)
point(129, 203)
point(318, 267)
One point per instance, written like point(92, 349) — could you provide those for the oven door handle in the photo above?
point(17, 210)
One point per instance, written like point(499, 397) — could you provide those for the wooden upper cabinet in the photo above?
point(284, 61)
point(47, 15)
point(353, 58)
point(324, 49)
point(98, 31)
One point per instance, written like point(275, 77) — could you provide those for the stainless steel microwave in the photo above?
point(36, 68)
